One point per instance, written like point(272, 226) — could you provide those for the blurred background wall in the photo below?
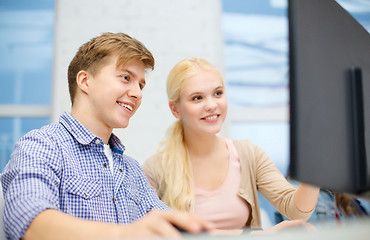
point(171, 30)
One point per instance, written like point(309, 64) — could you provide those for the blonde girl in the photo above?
point(217, 178)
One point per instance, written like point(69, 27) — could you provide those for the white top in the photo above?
point(108, 152)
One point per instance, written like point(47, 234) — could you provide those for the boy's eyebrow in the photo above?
point(132, 74)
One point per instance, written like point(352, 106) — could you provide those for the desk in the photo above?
point(359, 230)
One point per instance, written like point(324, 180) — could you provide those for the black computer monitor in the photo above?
point(329, 97)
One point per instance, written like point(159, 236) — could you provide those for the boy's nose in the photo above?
point(135, 91)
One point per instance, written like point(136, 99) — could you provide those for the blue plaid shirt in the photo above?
point(63, 166)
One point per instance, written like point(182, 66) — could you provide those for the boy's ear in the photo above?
point(174, 110)
point(82, 81)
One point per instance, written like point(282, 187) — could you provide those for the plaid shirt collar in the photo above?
point(84, 136)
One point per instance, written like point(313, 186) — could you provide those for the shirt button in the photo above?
point(120, 170)
point(97, 141)
point(241, 191)
point(105, 164)
point(114, 199)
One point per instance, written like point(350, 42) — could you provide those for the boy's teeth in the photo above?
point(126, 106)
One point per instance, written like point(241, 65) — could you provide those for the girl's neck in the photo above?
point(202, 145)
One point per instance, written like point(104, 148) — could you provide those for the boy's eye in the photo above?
point(141, 86)
point(125, 77)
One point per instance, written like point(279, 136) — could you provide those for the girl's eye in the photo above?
point(219, 93)
point(196, 98)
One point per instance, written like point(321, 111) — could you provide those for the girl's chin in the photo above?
point(213, 131)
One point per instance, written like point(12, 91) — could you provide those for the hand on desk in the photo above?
point(169, 224)
point(53, 224)
point(286, 225)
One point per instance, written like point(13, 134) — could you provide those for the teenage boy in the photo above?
point(71, 179)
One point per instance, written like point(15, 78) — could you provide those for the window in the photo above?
point(26, 63)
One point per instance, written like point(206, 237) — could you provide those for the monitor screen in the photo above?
point(329, 97)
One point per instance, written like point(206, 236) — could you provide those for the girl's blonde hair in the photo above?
point(177, 185)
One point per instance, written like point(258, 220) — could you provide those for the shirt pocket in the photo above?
point(135, 202)
point(134, 195)
point(84, 188)
point(84, 198)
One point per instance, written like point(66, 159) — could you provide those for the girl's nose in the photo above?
point(210, 105)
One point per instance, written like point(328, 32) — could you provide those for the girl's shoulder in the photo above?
point(153, 162)
point(243, 144)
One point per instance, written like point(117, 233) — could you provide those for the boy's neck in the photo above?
point(94, 126)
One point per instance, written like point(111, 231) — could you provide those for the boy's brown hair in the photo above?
point(92, 55)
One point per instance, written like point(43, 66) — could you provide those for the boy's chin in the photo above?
point(122, 124)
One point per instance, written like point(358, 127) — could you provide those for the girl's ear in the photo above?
point(82, 81)
point(174, 110)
